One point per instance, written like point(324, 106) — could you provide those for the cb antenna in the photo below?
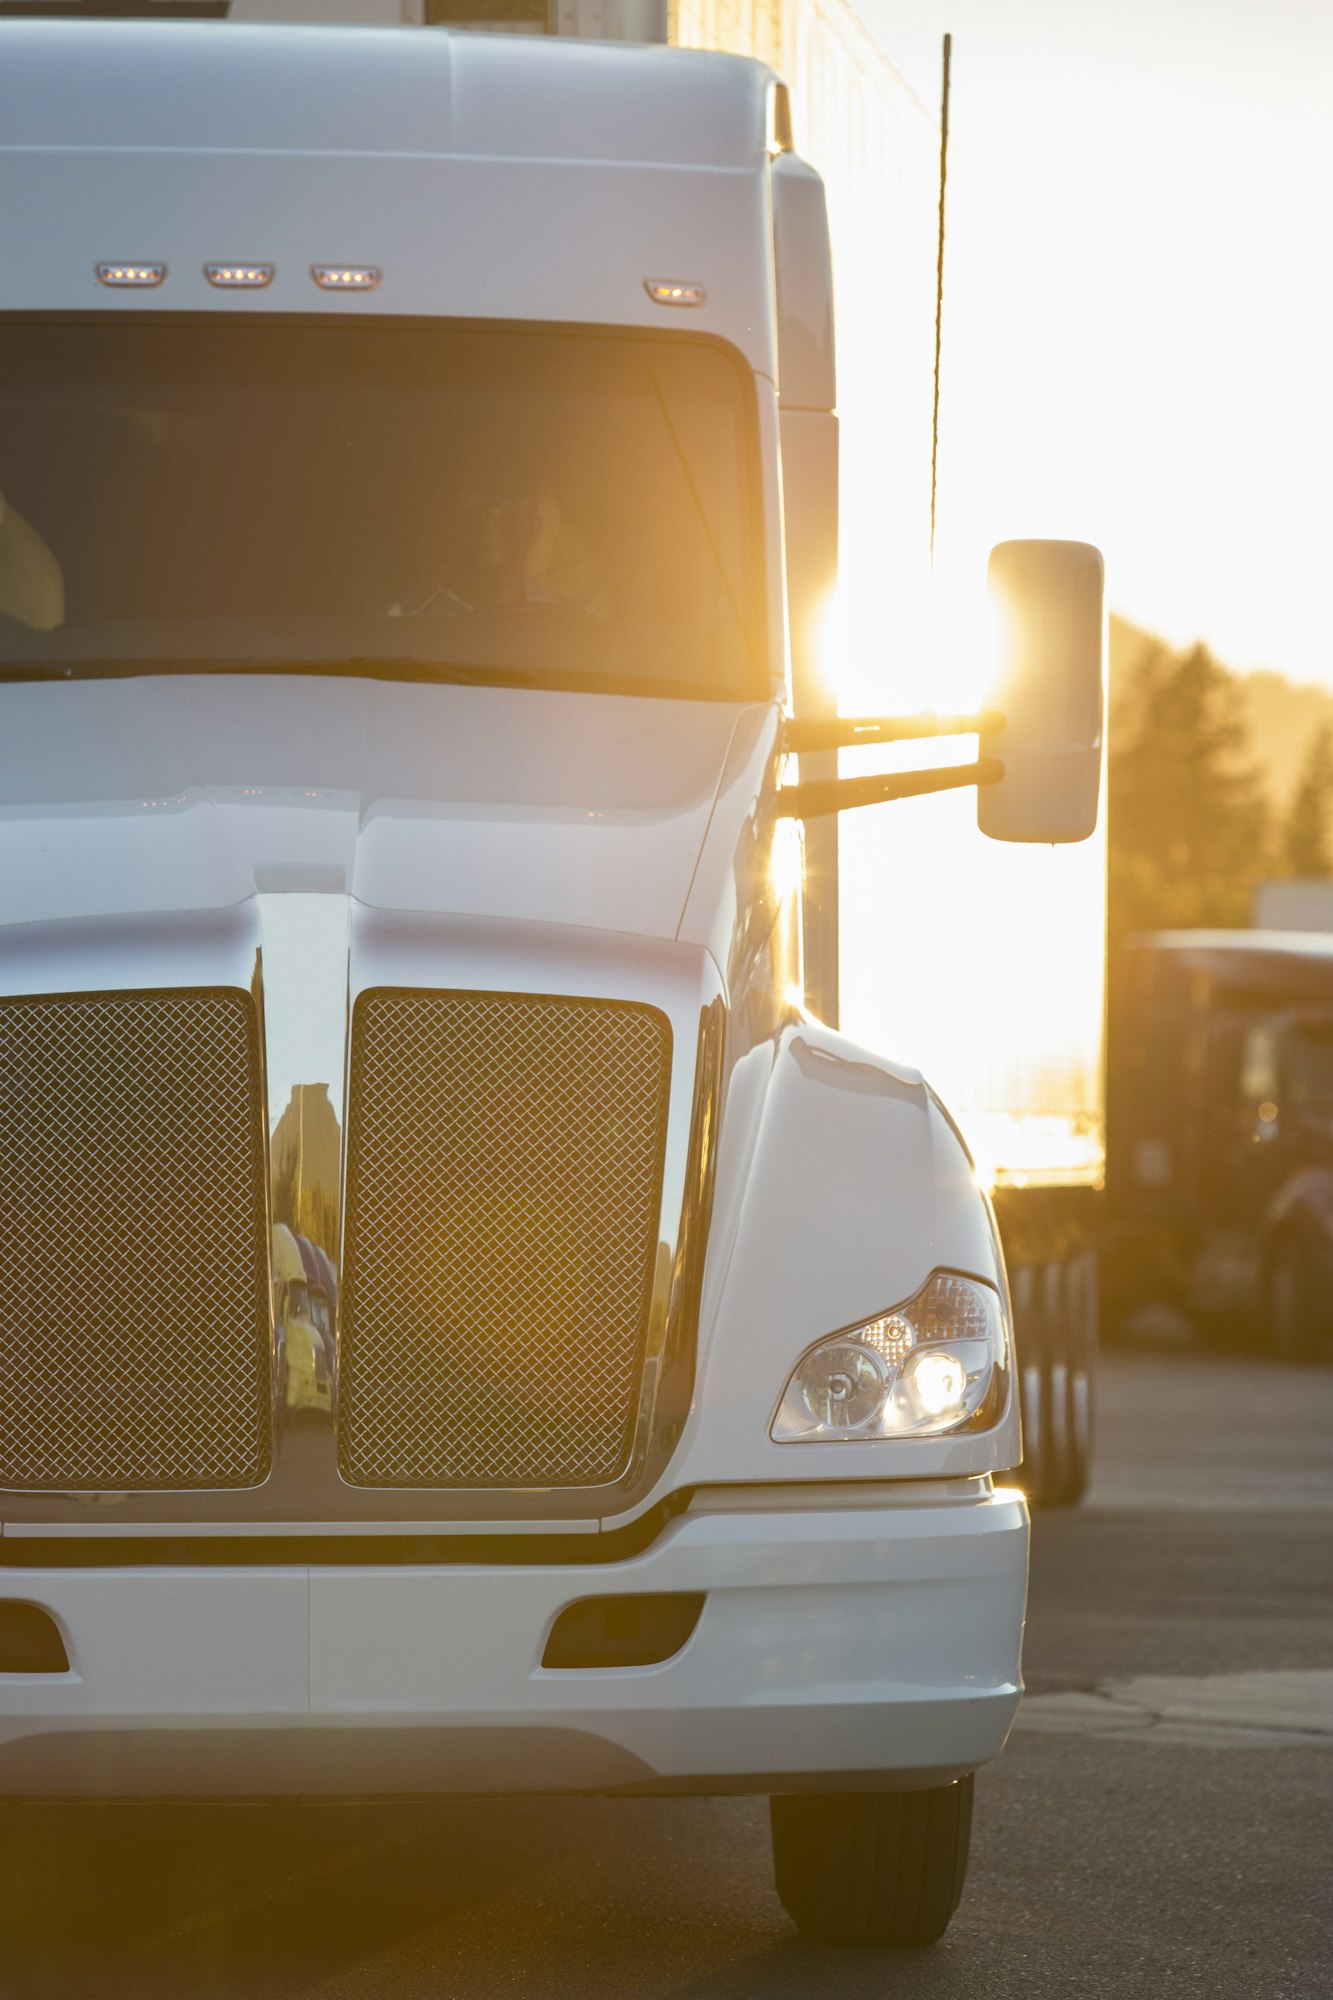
point(939, 291)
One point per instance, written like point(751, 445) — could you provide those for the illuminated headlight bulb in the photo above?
point(939, 1380)
point(842, 1385)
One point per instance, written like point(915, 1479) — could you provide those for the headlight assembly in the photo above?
point(933, 1365)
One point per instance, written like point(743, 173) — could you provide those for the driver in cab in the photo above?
point(507, 548)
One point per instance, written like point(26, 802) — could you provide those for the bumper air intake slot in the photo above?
point(623, 1631)
point(30, 1641)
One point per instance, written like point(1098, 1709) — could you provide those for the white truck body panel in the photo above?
point(195, 793)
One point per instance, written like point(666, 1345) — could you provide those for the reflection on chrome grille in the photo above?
point(504, 1180)
point(134, 1314)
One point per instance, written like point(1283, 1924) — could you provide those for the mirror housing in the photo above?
point(1049, 598)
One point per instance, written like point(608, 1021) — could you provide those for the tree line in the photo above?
point(1192, 823)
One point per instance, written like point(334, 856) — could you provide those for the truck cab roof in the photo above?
point(412, 152)
point(1290, 965)
point(199, 84)
point(1306, 944)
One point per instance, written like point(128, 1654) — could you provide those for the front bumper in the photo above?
point(840, 1644)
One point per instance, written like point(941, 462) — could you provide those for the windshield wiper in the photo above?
point(369, 667)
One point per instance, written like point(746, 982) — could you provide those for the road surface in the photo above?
point(1161, 1823)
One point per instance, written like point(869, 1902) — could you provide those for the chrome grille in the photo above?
point(504, 1182)
point(134, 1314)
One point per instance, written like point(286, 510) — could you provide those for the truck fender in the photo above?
point(842, 1184)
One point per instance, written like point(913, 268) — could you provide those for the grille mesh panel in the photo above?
point(134, 1318)
point(504, 1181)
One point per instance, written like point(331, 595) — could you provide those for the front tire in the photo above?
point(872, 1867)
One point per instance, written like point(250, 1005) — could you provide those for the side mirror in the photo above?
point(1049, 599)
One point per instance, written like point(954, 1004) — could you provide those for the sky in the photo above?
point(1138, 300)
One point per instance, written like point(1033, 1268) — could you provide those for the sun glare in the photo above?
point(940, 650)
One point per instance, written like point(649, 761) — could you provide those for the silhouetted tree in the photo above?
point(1189, 823)
point(1306, 848)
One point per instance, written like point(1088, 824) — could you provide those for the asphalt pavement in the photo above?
point(1161, 1823)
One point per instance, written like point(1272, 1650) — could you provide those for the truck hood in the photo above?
point(194, 792)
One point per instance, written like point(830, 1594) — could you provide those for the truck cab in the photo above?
point(1221, 1134)
point(417, 458)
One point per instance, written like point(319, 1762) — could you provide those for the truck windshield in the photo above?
point(551, 508)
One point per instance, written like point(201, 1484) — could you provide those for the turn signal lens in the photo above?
point(938, 1363)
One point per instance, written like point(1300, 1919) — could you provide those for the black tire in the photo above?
point(1055, 1311)
point(872, 1867)
point(1052, 1279)
point(1033, 1380)
point(1081, 1304)
point(1043, 1381)
point(1293, 1316)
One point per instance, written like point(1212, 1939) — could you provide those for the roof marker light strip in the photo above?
point(346, 277)
point(674, 291)
point(239, 277)
point(143, 275)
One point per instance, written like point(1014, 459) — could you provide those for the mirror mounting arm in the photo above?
point(840, 794)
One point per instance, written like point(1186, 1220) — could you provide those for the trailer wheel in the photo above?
point(1056, 1345)
point(1055, 1326)
point(872, 1867)
point(1040, 1333)
point(1033, 1382)
point(1293, 1311)
point(1080, 1319)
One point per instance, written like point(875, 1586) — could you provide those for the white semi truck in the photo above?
point(417, 458)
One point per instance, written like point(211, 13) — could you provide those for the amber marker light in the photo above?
point(346, 277)
point(239, 277)
point(142, 275)
point(674, 291)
